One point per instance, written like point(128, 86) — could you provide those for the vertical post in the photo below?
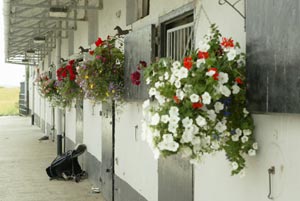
point(32, 111)
point(58, 112)
point(113, 148)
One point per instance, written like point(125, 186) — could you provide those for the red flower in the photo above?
point(227, 42)
point(176, 99)
point(239, 80)
point(188, 62)
point(72, 76)
point(216, 74)
point(98, 42)
point(197, 105)
point(71, 62)
point(143, 63)
point(135, 78)
point(203, 55)
point(91, 52)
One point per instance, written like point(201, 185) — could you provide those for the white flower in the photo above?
point(196, 140)
point(146, 104)
point(224, 90)
point(187, 122)
point(199, 62)
point(251, 152)
point(234, 165)
point(157, 84)
point(201, 121)
point(186, 137)
point(186, 152)
point(218, 107)
point(166, 75)
point(174, 119)
point(172, 79)
point(170, 146)
point(148, 80)
point(195, 129)
point(161, 78)
point(215, 145)
point(212, 115)
point(247, 132)
point(238, 131)
point(210, 73)
point(176, 64)
point(165, 118)
point(152, 91)
point(206, 98)
point(231, 54)
point(244, 139)
point(174, 111)
point(203, 47)
point(155, 119)
point(180, 94)
point(183, 73)
point(161, 99)
point(235, 138)
point(245, 111)
point(177, 84)
point(194, 98)
point(235, 89)
point(220, 127)
point(223, 77)
point(172, 128)
point(255, 145)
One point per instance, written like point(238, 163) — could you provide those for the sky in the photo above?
point(10, 75)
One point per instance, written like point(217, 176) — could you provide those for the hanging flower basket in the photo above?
point(47, 87)
point(102, 78)
point(200, 104)
point(66, 84)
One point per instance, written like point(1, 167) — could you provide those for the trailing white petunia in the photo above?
point(194, 98)
point(206, 98)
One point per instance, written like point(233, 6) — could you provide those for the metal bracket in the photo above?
point(222, 2)
point(271, 172)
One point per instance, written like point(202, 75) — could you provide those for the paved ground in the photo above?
point(23, 160)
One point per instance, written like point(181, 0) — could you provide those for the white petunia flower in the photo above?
point(186, 152)
point(152, 91)
point(244, 139)
point(224, 90)
point(194, 98)
point(220, 127)
point(210, 73)
point(212, 115)
point(255, 145)
point(187, 122)
point(235, 89)
point(231, 54)
point(206, 98)
point(196, 140)
point(238, 131)
point(195, 129)
point(199, 62)
point(234, 165)
point(157, 84)
point(203, 46)
point(165, 118)
point(174, 119)
point(155, 119)
point(177, 84)
point(180, 94)
point(146, 104)
point(176, 64)
point(148, 80)
point(251, 152)
point(186, 137)
point(215, 145)
point(201, 121)
point(223, 77)
point(218, 107)
point(161, 78)
point(183, 73)
point(172, 79)
point(174, 111)
point(247, 132)
point(166, 75)
point(245, 111)
point(235, 138)
point(172, 128)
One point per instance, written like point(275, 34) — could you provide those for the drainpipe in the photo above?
point(58, 111)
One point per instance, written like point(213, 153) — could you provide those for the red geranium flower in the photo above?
point(91, 52)
point(98, 42)
point(197, 105)
point(135, 78)
point(176, 99)
point(227, 42)
point(188, 62)
point(203, 55)
point(71, 62)
point(239, 80)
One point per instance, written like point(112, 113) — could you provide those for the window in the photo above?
point(177, 33)
point(136, 9)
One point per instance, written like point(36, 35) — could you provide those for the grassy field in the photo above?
point(9, 101)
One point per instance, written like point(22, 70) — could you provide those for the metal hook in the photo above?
point(222, 2)
point(271, 172)
point(135, 132)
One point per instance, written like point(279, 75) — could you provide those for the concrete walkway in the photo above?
point(23, 160)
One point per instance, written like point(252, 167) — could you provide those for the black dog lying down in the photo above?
point(66, 166)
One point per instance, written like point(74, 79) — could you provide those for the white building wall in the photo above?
point(81, 36)
point(71, 123)
point(92, 125)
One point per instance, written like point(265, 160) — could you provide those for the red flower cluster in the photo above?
point(239, 80)
point(227, 42)
point(197, 105)
point(136, 75)
point(188, 62)
point(203, 55)
point(99, 42)
point(216, 74)
point(63, 72)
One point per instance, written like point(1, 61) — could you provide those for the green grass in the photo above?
point(9, 101)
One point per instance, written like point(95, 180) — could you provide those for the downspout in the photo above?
point(6, 13)
point(58, 111)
